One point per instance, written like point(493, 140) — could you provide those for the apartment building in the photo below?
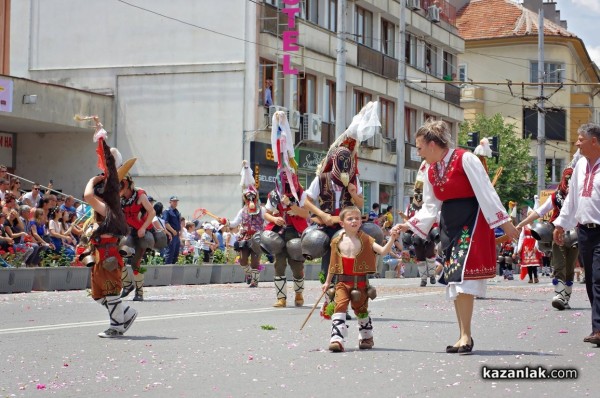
point(183, 89)
point(501, 46)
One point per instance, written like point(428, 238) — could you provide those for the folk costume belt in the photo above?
point(590, 225)
point(351, 278)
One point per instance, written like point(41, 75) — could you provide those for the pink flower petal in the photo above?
point(590, 354)
point(563, 331)
point(41, 386)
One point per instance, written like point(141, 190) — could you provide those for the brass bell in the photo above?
point(126, 251)
point(331, 293)
point(110, 263)
point(88, 260)
point(372, 292)
point(355, 295)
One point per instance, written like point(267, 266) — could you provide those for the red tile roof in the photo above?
point(488, 19)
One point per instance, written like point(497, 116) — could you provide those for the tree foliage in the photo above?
point(515, 182)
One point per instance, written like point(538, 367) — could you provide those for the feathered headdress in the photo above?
point(249, 192)
point(282, 145)
point(364, 125)
point(483, 151)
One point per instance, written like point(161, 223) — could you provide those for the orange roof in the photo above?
point(488, 19)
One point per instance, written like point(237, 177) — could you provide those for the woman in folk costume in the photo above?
point(251, 221)
point(102, 194)
point(564, 257)
point(285, 214)
point(530, 256)
point(458, 186)
point(424, 248)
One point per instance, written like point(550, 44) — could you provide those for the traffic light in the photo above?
point(473, 140)
point(494, 145)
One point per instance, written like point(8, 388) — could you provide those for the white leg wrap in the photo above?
point(559, 289)
point(568, 290)
point(115, 312)
point(255, 275)
point(126, 278)
point(299, 285)
point(139, 284)
point(339, 330)
point(430, 267)
point(280, 286)
point(365, 328)
point(422, 267)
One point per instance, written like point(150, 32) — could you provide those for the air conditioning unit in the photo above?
point(413, 4)
point(393, 146)
point(294, 120)
point(311, 127)
point(275, 108)
point(374, 142)
point(433, 12)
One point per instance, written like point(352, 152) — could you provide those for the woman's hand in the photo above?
point(510, 230)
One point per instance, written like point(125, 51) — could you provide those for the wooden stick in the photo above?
point(498, 172)
point(313, 309)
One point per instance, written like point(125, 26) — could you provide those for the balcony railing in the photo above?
point(452, 94)
point(447, 12)
point(377, 62)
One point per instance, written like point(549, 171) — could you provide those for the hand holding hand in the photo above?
point(558, 235)
point(352, 189)
point(279, 221)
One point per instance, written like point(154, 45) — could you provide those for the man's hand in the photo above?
point(558, 235)
point(352, 189)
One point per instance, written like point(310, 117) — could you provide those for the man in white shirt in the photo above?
point(582, 208)
point(32, 198)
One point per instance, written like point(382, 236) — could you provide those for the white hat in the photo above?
point(208, 226)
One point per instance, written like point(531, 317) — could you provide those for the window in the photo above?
point(557, 166)
point(329, 102)
point(360, 99)
point(364, 27)
point(449, 70)
point(388, 35)
point(556, 127)
point(431, 56)
point(310, 9)
point(332, 15)
point(553, 72)
point(410, 124)
point(276, 3)
point(462, 72)
point(307, 93)
point(267, 75)
point(410, 50)
point(387, 118)
point(366, 190)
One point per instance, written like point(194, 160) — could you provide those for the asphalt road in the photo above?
point(209, 341)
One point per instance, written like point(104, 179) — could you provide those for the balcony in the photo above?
point(447, 12)
point(452, 94)
point(377, 62)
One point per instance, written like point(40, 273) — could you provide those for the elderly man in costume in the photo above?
point(564, 256)
point(285, 215)
point(251, 221)
point(102, 193)
point(139, 213)
point(424, 248)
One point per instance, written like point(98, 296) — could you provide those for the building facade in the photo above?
point(183, 89)
point(505, 49)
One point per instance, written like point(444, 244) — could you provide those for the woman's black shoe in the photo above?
point(451, 349)
point(467, 348)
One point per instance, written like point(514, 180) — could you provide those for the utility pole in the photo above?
point(340, 70)
point(400, 154)
point(541, 120)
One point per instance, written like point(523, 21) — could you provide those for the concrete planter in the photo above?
point(239, 275)
point(268, 273)
point(158, 275)
point(191, 274)
point(61, 278)
point(311, 271)
point(16, 280)
point(222, 273)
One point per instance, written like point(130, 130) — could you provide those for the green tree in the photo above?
point(515, 182)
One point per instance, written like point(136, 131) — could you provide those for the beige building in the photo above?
point(501, 46)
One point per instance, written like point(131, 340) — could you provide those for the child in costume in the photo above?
point(352, 259)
